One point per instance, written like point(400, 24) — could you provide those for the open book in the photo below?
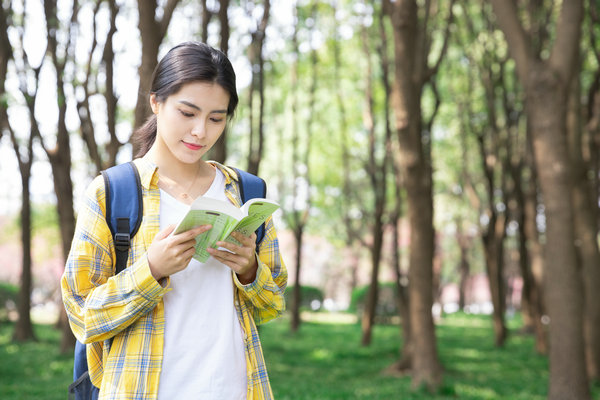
point(225, 218)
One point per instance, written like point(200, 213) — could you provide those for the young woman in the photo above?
point(168, 326)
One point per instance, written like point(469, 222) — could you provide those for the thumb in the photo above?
point(165, 232)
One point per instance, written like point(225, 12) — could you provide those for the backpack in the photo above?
point(124, 212)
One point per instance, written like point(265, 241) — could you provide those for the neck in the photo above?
point(176, 170)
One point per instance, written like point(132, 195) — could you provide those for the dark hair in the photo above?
point(185, 63)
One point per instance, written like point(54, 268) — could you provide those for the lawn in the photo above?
point(325, 361)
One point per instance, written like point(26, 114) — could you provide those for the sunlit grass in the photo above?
point(325, 361)
point(33, 370)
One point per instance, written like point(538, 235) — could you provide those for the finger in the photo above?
point(230, 246)
point(233, 261)
point(192, 233)
point(165, 232)
point(188, 254)
point(245, 240)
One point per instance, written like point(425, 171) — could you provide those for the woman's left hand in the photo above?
point(241, 259)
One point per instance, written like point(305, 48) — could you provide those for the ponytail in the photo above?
point(144, 137)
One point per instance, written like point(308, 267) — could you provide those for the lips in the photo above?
point(193, 146)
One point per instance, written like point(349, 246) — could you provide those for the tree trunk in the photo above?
point(415, 163)
point(534, 250)
point(368, 316)
point(256, 57)
point(464, 266)
point(224, 22)
point(297, 295)
point(152, 33)
point(298, 218)
point(563, 284)
point(406, 349)
point(586, 234)
point(529, 310)
point(206, 17)
point(23, 327)
point(377, 171)
point(219, 151)
point(494, 250)
point(546, 86)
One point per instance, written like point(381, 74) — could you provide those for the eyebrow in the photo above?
point(187, 103)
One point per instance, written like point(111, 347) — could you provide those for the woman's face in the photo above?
point(190, 121)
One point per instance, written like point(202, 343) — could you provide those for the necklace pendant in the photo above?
point(184, 195)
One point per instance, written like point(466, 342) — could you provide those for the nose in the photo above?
point(199, 128)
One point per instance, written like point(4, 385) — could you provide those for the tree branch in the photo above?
point(163, 24)
point(565, 50)
point(519, 42)
point(436, 66)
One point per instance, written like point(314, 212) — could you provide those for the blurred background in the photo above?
point(437, 163)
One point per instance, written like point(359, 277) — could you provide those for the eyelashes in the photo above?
point(190, 115)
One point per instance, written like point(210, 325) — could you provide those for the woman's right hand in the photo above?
point(170, 254)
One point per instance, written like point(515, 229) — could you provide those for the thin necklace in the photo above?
point(185, 194)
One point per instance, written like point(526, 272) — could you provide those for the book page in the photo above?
point(258, 211)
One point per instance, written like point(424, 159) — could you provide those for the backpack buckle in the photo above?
point(122, 241)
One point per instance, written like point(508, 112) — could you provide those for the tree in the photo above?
point(152, 32)
point(219, 151)
point(59, 154)
point(411, 73)
point(376, 167)
point(586, 231)
point(102, 156)
point(257, 64)
point(546, 83)
point(25, 157)
point(297, 216)
point(491, 125)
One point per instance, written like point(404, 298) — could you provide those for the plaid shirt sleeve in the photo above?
point(98, 303)
point(266, 292)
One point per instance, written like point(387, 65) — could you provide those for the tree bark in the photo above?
point(219, 151)
point(464, 267)
point(535, 255)
point(586, 234)
point(546, 85)
point(152, 32)
point(377, 171)
point(206, 17)
point(411, 73)
point(256, 58)
point(107, 157)
point(297, 218)
point(60, 155)
point(24, 327)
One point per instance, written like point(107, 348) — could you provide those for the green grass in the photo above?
point(325, 361)
point(33, 370)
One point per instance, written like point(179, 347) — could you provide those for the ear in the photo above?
point(154, 103)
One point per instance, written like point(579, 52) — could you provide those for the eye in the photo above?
point(216, 120)
point(186, 114)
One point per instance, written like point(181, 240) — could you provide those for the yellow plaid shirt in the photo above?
point(121, 317)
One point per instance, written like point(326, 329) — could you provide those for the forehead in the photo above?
point(202, 94)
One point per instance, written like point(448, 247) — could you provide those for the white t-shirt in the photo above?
point(203, 354)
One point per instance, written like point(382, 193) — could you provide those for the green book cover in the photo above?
point(225, 218)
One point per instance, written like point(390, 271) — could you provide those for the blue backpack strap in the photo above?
point(124, 208)
point(124, 211)
point(252, 187)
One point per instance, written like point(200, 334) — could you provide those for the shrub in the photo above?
point(387, 297)
point(8, 297)
point(308, 295)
